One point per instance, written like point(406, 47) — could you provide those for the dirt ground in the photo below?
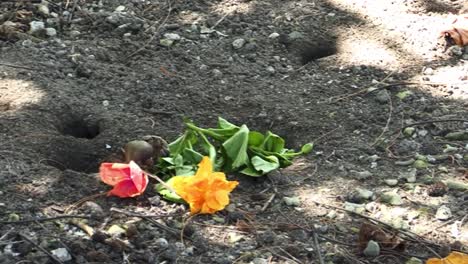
point(346, 75)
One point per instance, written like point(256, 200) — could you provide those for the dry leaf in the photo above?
point(453, 258)
point(369, 232)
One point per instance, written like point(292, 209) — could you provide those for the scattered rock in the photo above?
point(62, 254)
point(166, 42)
point(414, 260)
point(391, 182)
point(457, 186)
point(409, 176)
point(459, 135)
point(116, 230)
point(238, 43)
point(443, 213)
point(271, 70)
point(266, 238)
point(274, 35)
point(292, 201)
point(120, 8)
point(409, 131)
point(43, 10)
point(93, 209)
point(299, 235)
point(161, 243)
point(363, 175)
point(172, 36)
point(382, 96)
point(372, 249)
point(359, 196)
point(36, 27)
point(391, 198)
point(357, 208)
point(420, 164)
point(260, 261)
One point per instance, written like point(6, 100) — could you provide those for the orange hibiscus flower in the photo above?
point(206, 192)
point(453, 258)
point(128, 179)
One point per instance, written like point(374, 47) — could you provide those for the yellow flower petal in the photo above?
point(453, 258)
point(206, 192)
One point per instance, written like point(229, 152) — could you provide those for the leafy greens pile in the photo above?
point(231, 148)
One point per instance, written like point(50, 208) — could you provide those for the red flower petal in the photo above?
point(124, 189)
point(113, 173)
point(138, 176)
point(128, 179)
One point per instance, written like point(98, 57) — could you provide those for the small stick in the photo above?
point(317, 248)
point(220, 20)
point(268, 202)
point(40, 248)
point(88, 229)
point(17, 66)
point(389, 119)
point(431, 121)
point(45, 219)
point(83, 200)
point(167, 186)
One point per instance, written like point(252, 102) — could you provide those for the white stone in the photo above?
point(43, 9)
point(274, 35)
point(120, 8)
point(238, 43)
point(172, 36)
point(36, 26)
point(62, 254)
point(51, 32)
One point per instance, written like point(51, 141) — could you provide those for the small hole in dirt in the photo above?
point(81, 128)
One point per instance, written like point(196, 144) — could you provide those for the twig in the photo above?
point(326, 134)
point(6, 234)
point(18, 66)
point(167, 186)
point(45, 219)
point(155, 34)
point(83, 200)
point(40, 248)
point(317, 248)
point(431, 121)
point(186, 222)
point(221, 19)
point(83, 226)
point(268, 202)
point(149, 219)
point(389, 119)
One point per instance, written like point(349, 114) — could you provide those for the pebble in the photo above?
point(43, 9)
point(457, 186)
point(161, 243)
point(217, 73)
point(36, 26)
point(74, 33)
point(292, 201)
point(414, 260)
point(259, 261)
point(357, 208)
point(120, 8)
point(271, 70)
point(62, 254)
point(166, 42)
point(274, 35)
point(455, 51)
point(116, 230)
point(409, 131)
point(372, 249)
point(94, 209)
point(420, 164)
point(391, 198)
point(172, 36)
point(382, 96)
point(51, 32)
point(391, 182)
point(238, 43)
point(443, 213)
point(409, 176)
point(362, 175)
point(428, 71)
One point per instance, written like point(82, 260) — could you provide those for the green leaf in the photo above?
point(208, 147)
point(250, 171)
point(191, 156)
point(256, 138)
point(185, 141)
point(185, 170)
point(224, 124)
point(167, 194)
point(307, 148)
point(235, 148)
point(265, 165)
point(273, 143)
